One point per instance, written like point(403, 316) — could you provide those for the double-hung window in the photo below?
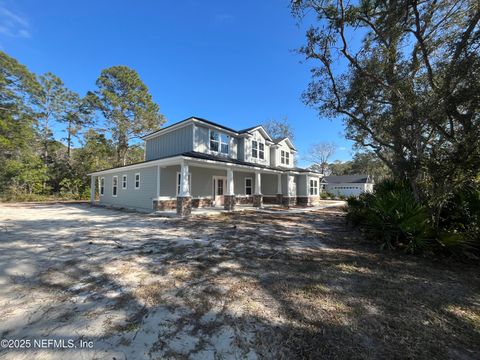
point(258, 149)
point(248, 186)
point(114, 185)
point(285, 157)
point(254, 149)
point(313, 187)
point(124, 181)
point(219, 142)
point(102, 186)
point(137, 181)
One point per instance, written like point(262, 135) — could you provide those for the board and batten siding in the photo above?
point(130, 197)
point(171, 143)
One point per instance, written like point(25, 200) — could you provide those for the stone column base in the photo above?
point(303, 200)
point(229, 202)
point(257, 200)
point(289, 201)
point(184, 205)
point(279, 199)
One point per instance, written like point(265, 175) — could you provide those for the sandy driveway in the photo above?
point(233, 286)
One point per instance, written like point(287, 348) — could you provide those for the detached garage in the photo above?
point(348, 185)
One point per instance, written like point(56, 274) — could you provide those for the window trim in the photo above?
point(313, 187)
point(178, 183)
point(115, 177)
point(251, 186)
point(258, 150)
point(135, 182)
point(285, 157)
point(220, 143)
point(124, 181)
point(102, 186)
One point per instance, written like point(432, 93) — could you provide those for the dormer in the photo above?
point(256, 145)
point(283, 153)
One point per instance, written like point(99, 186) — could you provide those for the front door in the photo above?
point(219, 183)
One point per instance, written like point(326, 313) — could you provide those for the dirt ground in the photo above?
point(240, 286)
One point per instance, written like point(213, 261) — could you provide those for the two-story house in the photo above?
point(198, 163)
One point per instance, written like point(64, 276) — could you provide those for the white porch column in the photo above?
point(258, 183)
point(184, 190)
point(158, 181)
point(230, 185)
point(279, 184)
point(292, 191)
point(92, 189)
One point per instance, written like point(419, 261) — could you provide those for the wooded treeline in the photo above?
point(404, 76)
point(37, 162)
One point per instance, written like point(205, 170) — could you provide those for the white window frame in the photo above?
point(220, 142)
point(261, 150)
point(115, 186)
point(124, 181)
point(179, 183)
point(284, 157)
point(102, 186)
point(135, 180)
point(313, 187)
point(251, 186)
point(255, 148)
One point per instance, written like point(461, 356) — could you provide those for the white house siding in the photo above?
point(256, 136)
point(130, 197)
point(170, 143)
point(278, 155)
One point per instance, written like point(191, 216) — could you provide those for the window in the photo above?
point(219, 142)
point(179, 182)
point(313, 187)
point(258, 149)
point(248, 186)
point(261, 151)
point(137, 181)
point(124, 181)
point(285, 157)
point(102, 186)
point(114, 185)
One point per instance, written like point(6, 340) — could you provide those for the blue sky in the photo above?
point(231, 62)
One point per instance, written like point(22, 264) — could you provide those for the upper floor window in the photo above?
point(258, 149)
point(219, 142)
point(285, 157)
point(313, 187)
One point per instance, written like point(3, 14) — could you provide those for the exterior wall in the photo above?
point(247, 149)
point(130, 197)
point(278, 156)
point(269, 184)
point(241, 149)
point(347, 189)
point(202, 142)
point(302, 187)
point(171, 143)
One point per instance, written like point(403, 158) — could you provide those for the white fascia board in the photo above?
point(161, 162)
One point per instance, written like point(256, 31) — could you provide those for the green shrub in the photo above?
point(391, 215)
point(323, 195)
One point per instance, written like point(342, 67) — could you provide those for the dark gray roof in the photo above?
point(348, 179)
point(198, 155)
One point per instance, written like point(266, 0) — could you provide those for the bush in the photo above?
point(391, 215)
point(323, 196)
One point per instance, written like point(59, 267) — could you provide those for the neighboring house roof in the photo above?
point(357, 179)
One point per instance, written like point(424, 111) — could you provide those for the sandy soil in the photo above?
point(241, 286)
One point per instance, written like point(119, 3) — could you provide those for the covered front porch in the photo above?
point(207, 185)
